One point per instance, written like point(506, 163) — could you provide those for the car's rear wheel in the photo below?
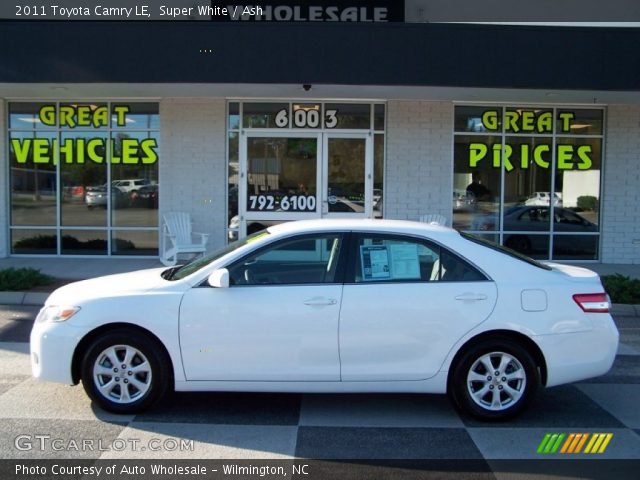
point(494, 380)
point(125, 371)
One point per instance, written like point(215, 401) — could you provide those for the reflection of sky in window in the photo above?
point(145, 122)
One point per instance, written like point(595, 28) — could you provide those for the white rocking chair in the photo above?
point(434, 219)
point(177, 238)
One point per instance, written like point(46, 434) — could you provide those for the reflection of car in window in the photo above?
point(463, 200)
point(128, 186)
point(543, 198)
point(522, 218)
point(97, 197)
point(145, 197)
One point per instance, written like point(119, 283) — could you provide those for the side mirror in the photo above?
point(219, 278)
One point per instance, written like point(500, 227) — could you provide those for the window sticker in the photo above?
point(374, 260)
point(405, 263)
point(390, 262)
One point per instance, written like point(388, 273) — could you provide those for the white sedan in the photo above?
point(333, 306)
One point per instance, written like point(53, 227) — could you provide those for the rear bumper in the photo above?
point(571, 357)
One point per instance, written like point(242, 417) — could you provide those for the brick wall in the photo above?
point(419, 172)
point(193, 163)
point(621, 200)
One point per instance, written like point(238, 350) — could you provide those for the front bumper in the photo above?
point(52, 347)
point(571, 357)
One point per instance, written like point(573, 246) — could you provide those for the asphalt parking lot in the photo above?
point(285, 426)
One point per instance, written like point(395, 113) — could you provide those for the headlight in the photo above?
point(56, 313)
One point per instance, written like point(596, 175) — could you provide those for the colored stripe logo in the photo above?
point(574, 443)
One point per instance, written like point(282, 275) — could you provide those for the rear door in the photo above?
point(405, 303)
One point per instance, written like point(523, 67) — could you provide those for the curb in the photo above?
point(38, 299)
point(23, 298)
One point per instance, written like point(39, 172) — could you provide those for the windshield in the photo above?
point(180, 272)
point(502, 249)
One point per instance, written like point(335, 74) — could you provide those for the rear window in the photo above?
point(507, 251)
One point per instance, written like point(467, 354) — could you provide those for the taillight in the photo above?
point(593, 302)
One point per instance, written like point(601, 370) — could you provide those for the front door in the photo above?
point(277, 321)
point(297, 176)
point(280, 177)
point(347, 176)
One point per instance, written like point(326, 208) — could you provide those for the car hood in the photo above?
point(110, 285)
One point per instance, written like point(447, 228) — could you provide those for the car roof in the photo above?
point(377, 225)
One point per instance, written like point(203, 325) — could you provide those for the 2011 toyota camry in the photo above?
point(333, 306)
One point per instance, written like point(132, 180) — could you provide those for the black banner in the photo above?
point(315, 469)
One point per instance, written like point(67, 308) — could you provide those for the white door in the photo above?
point(347, 168)
point(440, 298)
point(278, 320)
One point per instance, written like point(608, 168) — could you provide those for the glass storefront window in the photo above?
point(545, 163)
point(83, 201)
point(378, 119)
point(33, 178)
point(234, 116)
point(263, 115)
point(378, 175)
point(348, 116)
point(82, 168)
point(34, 241)
point(134, 242)
point(26, 116)
point(281, 174)
point(84, 242)
point(476, 182)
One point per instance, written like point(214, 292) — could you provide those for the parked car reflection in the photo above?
point(145, 197)
point(524, 218)
point(97, 197)
point(543, 199)
point(463, 200)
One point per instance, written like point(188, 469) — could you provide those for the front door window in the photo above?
point(346, 185)
point(281, 174)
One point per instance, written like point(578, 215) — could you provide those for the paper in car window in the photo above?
point(405, 263)
point(375, 262)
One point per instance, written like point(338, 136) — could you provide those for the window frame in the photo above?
point(338, 278)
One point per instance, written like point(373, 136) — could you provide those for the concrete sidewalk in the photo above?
point(80, 268)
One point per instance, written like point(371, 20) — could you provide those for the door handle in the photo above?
point(471, 297)
point(319, 301)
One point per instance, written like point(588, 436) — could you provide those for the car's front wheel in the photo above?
point(494, 380)
point(125, 371)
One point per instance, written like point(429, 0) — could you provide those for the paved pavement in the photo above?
point(255, 426)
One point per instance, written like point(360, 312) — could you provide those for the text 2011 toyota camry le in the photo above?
point(333, 306)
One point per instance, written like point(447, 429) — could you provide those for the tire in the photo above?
point(146, 377)
point(488, 396)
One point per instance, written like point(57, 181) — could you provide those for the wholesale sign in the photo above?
point(80, 150)
point(317, 11)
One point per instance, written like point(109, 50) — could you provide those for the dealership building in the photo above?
point(528, 135)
